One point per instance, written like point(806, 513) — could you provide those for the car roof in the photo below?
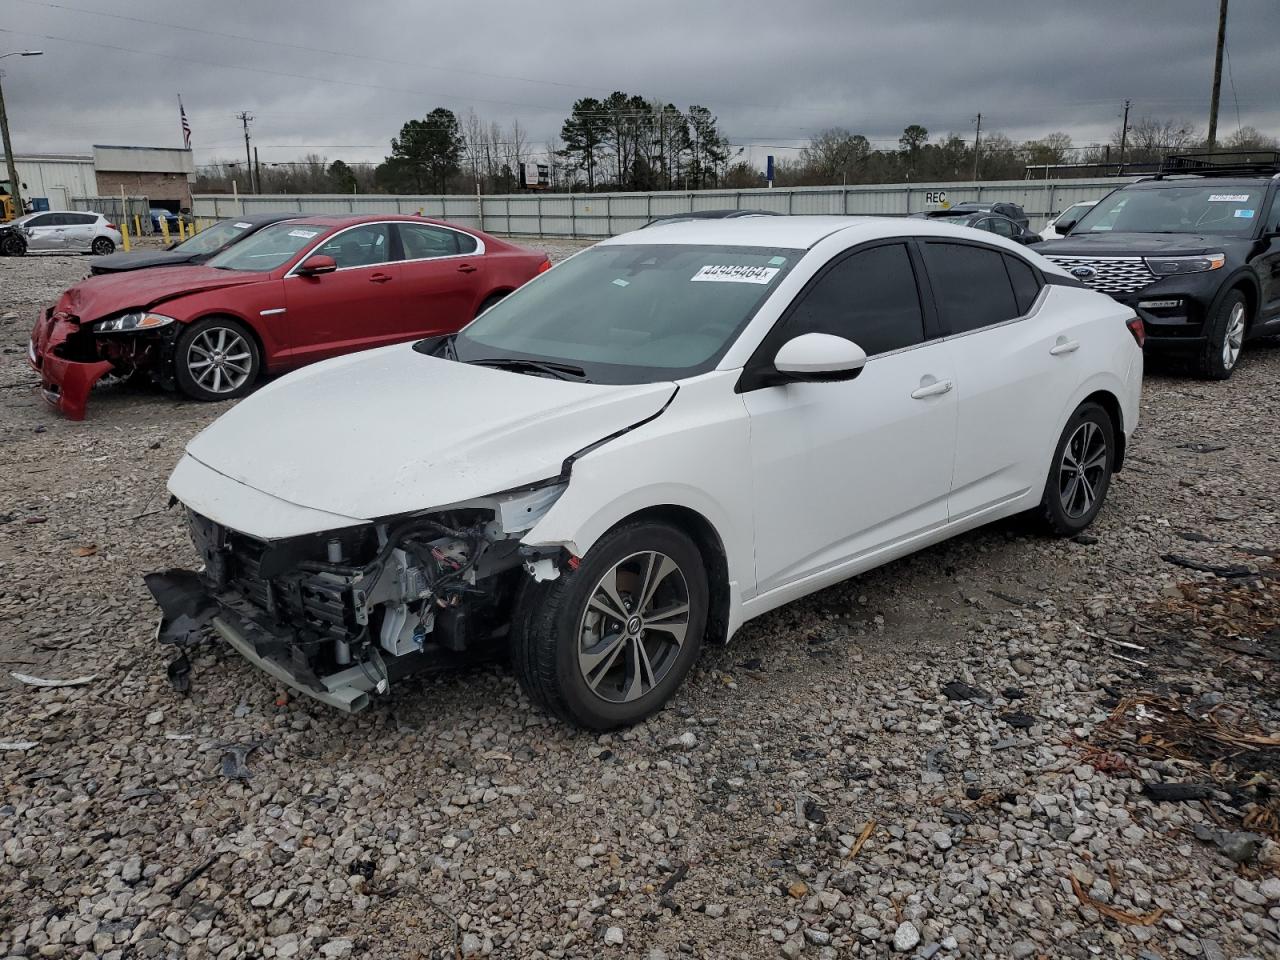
point(1193, 180)
point(334, 220)
point(265, 218)
point(802, 232)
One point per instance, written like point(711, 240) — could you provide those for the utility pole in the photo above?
point(244, 117)
point(1124, 135)
point(977, 143)
point(1217, 74)
point(15, 186)
point(257, 171)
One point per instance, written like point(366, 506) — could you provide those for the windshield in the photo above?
point(269, 248)
point(632, 314)
point(1199, 208)
point(215, 238)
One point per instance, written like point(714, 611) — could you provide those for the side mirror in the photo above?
point(315, 266)
point(1064, 225)
point(819, 357)
point(1029, 237)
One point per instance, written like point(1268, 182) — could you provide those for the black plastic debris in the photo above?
point(814, 813)
point(1013, 693)
point(234, 757)
point(179, 672)
point(957, 690)
point(1022, 721)
point(1174, 792)
point(1229, 571)
point(1202, 447)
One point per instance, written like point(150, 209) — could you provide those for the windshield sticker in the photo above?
point(1229, 198)
point(777, 261)
point(1245, 214)
point(621, 283)
point(304, 234)
point(727, 273)
point(242, 226)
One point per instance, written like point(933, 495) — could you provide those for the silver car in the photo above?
point(69, 231)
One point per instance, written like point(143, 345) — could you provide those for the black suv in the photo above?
point(1195, 250)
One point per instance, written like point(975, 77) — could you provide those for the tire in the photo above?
point(489, 302)
point(102, 246)
point(1227, 328)
point(561, 637)
point(216, 359)
point(13, 245)
point(1068, 509)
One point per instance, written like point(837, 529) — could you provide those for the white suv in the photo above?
point(69, 231)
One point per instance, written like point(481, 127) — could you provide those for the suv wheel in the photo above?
point(1081, 471)
point(607, 645)
point(1226, 332)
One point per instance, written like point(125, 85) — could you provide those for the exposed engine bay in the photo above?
point(342, 614)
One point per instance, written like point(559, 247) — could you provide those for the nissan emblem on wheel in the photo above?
point(671, 433)
point(1194, 250)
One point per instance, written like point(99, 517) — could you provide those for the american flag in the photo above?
point(186, 126)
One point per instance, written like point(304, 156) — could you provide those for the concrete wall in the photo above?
point(144, 159)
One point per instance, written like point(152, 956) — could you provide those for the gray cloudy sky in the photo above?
point(338, 77)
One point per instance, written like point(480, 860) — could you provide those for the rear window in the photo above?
point(970, 286)
point(1026, 284)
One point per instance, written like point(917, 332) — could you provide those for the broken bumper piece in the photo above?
point(188, 605)
point(64, 383)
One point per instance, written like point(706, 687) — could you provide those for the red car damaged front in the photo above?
point(116, 323)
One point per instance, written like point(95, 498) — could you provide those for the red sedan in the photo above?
point(294, 292)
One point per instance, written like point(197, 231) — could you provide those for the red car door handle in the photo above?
point(466, 268)
point(379, 277)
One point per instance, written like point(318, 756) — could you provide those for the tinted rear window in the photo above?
point(1026, 285)
point(970, 286)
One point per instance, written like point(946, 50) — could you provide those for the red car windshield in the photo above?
point(269, 248)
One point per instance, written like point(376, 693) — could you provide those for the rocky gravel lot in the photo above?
point(963, 754)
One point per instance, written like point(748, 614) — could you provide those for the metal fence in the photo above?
point(597, 215)
point(130, 210)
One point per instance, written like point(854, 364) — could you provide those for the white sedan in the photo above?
point(659, 439)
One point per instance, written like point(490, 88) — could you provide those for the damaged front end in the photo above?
point(343, 614)
point(71, 356)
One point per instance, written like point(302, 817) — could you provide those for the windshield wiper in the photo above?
point(561, 371)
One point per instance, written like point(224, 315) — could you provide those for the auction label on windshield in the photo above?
point(727, 273)
point(1229, 198)
point(242, 226)
point(303, 234)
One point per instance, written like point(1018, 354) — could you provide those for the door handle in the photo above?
point(466, 268)
point(1064, 346)
point(935, 389)
point(379, 277)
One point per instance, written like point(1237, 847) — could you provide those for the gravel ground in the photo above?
point(952, 756)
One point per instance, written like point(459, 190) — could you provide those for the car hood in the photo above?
point(391, 431)
point(111, 293)
point(1108, 244)
point(118, 262)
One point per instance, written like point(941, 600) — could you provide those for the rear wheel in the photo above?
point(103, 246)
point(1081, 471)
point(1226, 329)
point(216, 359)
point(608, 644)
point(489, 302)
point(13, 245)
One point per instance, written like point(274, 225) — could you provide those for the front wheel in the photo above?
point(1226, 330)
point(607, 644)
point(103, 246)
point(13, 245)
point(216, 359)
point(1081, 471)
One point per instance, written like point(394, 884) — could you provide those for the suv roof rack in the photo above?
point(1222, 163)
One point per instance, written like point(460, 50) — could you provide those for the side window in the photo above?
point(870, 298)
point(58, 220)
point(360, 246)
point(422, 241)
point(1002, 227)
point(83, 219)
point(467, 243)
point(1026, 284)
point(1273, 223)
point(970, 286)
point(44, 220)
point(984, 224)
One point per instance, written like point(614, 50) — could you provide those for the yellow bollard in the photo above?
point(137, 225)
point(124, 233)
point(182, 233)
point(164, 229)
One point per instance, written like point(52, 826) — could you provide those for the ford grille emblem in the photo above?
point(1084, 273)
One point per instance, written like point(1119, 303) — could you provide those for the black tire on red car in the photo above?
point(489, 302)
point(216, 358)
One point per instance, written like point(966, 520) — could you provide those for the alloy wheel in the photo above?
point(633, 627)
point(1234, 337)
point(219, 360)
point(1082, 469)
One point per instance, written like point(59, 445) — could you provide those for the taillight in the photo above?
point(1138, 330)
point(544, 266)
point(112, 226)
